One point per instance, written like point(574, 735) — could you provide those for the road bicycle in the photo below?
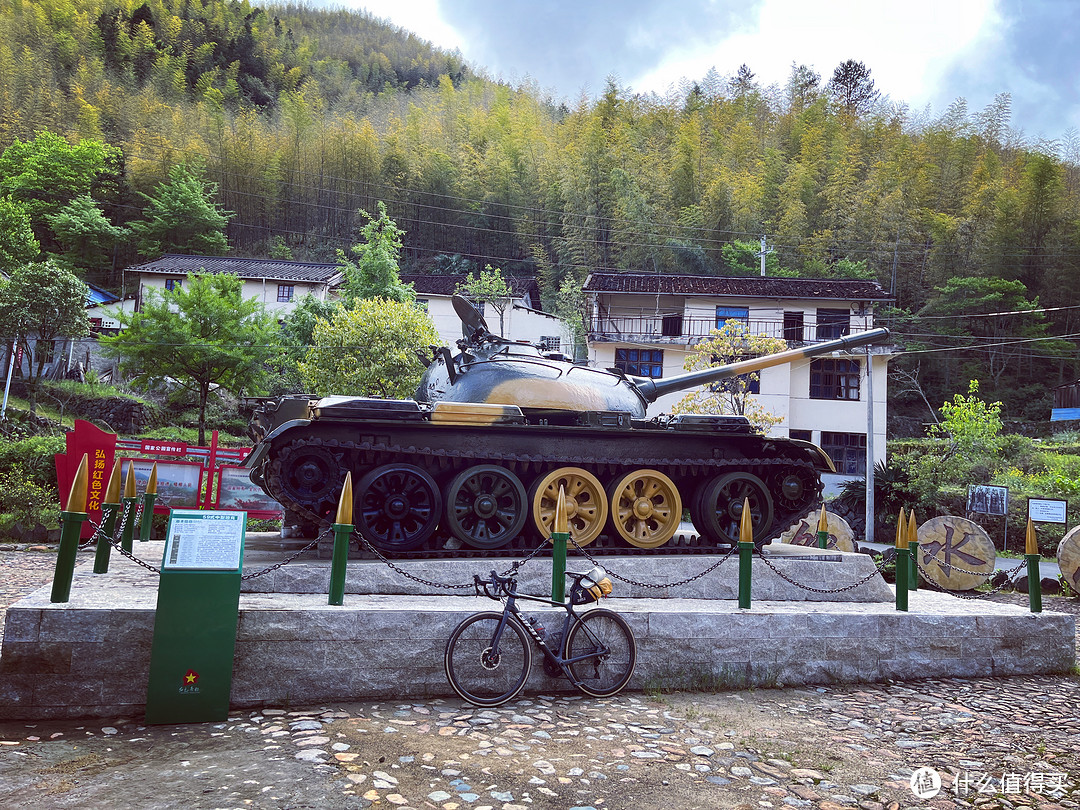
point(489, 655)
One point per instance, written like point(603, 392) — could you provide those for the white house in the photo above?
point(522, 318)
point(646, 325)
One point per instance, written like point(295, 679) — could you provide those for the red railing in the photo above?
point(677, 328)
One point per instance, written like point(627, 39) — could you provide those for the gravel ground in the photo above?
point(994, 743)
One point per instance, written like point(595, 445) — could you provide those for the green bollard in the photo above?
point(110, 508)
point(130, 505)
point(746, 555)
point(147, 522)
point(71, 520)
point(343, 529)
point(560, 535)
point(104, 543)
point(903, 563)
point(913, 547)
point(823, 529)
point(1031, 554)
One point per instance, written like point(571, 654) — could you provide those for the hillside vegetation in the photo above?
point(301, 116)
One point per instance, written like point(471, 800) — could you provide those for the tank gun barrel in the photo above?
point(651, 389)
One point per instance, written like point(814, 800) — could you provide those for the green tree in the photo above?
point(17, 242)
point(182, 217)
point(39, 304)
point(489, 288)
point(47, 173)
point(730, 343)
point(200, 335)
point(369, 349)
point(297, 338)
point(87, 237)
point(375, 273)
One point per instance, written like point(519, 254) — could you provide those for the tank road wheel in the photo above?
point(311, 476)
point(485, 506)
point(796, 488)
point(645, 508)
point(720, 506)
point(397, 507)
point(586, 503)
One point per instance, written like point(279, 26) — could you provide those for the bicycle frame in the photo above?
point(511, 612)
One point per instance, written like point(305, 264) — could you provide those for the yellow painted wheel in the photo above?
point(645, 508)
point(586, 503)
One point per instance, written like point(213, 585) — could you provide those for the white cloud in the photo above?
point(419, 16)
point(906, 45)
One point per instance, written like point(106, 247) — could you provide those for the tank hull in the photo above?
point(453, 476)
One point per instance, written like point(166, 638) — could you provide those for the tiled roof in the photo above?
point(522, 286)
point(742, 287)
point(176, 265)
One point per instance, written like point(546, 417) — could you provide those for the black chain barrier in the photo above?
point(1010, 579)
point(878, 568)
point(658, 586)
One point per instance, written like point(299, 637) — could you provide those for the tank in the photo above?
point(476, 459)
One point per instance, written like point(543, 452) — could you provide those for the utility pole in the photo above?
point(869, 448)
point(765, 251)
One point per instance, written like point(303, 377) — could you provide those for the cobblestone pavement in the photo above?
point(995, 743)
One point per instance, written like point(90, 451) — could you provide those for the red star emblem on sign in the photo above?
point(191, 677)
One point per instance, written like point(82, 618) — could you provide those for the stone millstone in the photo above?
point(1068, 556)
point(804, 532)
point(955, 553)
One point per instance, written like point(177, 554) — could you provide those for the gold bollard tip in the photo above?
point(345, 503)
point(823, 521)
point(112, 492)
point(151, 484)
point(901, 530)
point(129, 481)
point(561, 524)
point(746, 525)
point(76, 501)
point(1031, 541)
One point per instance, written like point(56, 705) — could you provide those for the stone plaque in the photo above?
point(956, 553)
point(1068, 557)
point(804, 533)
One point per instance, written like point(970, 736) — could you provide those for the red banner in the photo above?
point(100, 450)
point(155, 447)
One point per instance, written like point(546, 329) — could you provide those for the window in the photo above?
point(801, 435)
point(173, 283)
point(725, 314)
point(550, 343)
point(833, 323)
point(640, 362)
point(671, 326)
point(284, 292)
point(834, 379)
point(421, 304)
point(793, 327)
point(847, 450)
point(739, 384)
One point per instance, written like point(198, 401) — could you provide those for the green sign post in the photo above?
point(191, 660)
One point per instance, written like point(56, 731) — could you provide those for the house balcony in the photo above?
point(660, 329)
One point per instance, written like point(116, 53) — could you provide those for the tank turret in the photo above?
point(491, 369)
point(476, 460)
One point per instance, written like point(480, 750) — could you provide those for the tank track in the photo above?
point(442, 460)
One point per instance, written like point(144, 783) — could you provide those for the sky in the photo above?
point(920, 52)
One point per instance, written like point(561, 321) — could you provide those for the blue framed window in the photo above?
point(285, 292)
point(725, 314)
point(173, 283)
point(833, 323)
point(640, 362)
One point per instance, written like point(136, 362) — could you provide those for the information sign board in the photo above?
point(191, 656)
point(235, 491)
point(1047, 510)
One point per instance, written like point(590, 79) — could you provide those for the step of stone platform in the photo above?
point(812, 575)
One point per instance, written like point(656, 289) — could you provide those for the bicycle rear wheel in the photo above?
point(477, 674)
point(608, 639)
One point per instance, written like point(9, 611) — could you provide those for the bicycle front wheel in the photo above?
point(609, 643)
point(481, 674)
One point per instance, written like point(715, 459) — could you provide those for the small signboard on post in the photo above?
point(191, 658)
point(988, 500)
point(1047, 510)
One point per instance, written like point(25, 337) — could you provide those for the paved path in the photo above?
point(825, 748)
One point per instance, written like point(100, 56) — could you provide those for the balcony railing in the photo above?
point(659, 329)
